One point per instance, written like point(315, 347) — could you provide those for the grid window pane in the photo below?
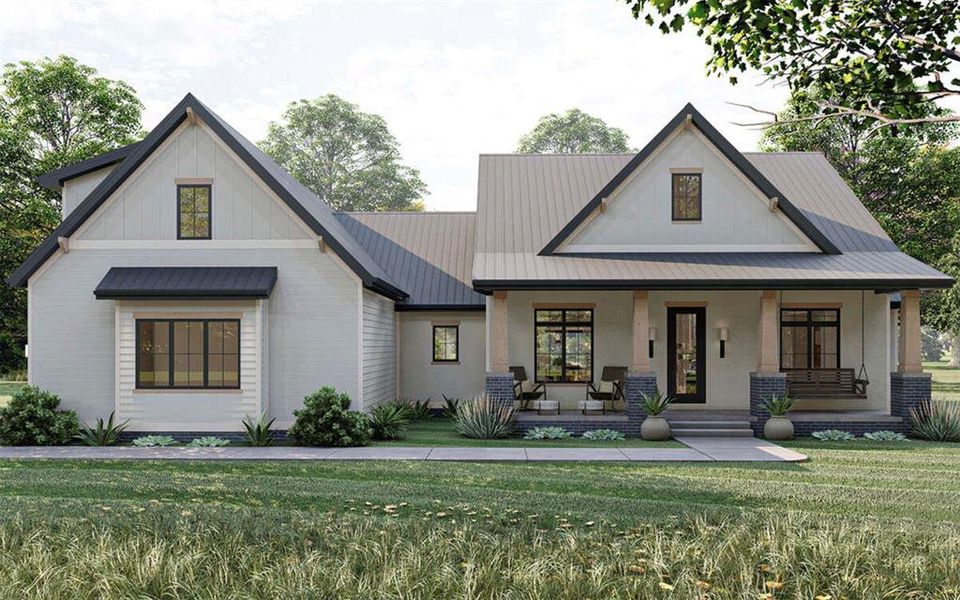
point(188, 353)
point(445, 342)
point(809, 339)
point(153, 353)
point(686, 197)
point(193, 205)
point(563, 345)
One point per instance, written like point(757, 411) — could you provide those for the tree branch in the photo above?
point(839, 111)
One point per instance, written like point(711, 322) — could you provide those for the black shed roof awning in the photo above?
point(187, 282)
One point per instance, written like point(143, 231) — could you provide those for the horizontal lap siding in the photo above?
point(379, 350)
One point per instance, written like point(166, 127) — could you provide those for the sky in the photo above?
point(452, 79)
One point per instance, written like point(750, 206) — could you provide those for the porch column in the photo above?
point(499, 381)
point(909, 350)
point(767, 359)
point(641, 333)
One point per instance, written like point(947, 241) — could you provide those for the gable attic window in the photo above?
point(687, 197)
point(193, 212)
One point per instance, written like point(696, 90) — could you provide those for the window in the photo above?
point(188, 353)
point(687, 197)
point(810, 338)
point(446, 343)
point(193, 212)
point(564, 345)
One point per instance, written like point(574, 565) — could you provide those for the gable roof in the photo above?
point(53, 180)
point(523, 200)
point(302, 201)
point(429, 254)
point(691, 115)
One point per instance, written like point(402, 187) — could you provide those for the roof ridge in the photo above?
point(405, 212)
point(558, 154)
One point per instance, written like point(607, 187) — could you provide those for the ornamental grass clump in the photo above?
point(484, 419)
point(326, 420)
point(387, 421)
point(547, 433)
point(33, 418)
point(937, 420)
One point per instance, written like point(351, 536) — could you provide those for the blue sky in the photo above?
point(452, 79)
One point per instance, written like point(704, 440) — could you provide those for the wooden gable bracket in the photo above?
point(64, 243)
point(191, 116)
point(321, 244)
point(603, 205)
point(772, 203)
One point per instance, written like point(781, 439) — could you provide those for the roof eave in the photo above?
point(487, 286)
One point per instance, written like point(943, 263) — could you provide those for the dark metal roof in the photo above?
point(54, 179)
point(430, 255)
point(187, 282)
point(691, 114)
point(302, 201)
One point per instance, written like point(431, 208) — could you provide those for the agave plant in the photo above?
point(601, 435)
point(208, 441)
point(547, 433)
point(152, 441)
point(416, 410)
point(656, 403)
point(257, 432)
point(778, 406)
point(937, 420)
point(387, 421)
point(484, 419)
point(833, 435)
point(103, 434)
point(450, 407)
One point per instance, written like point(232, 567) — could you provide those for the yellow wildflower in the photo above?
point(666, 586)
point(774, 585)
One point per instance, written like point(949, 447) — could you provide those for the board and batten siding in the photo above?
point(76, 189)
point(379, 350)
point(188, 410)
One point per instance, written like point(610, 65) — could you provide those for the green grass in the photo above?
point(860, 520)
point(946, 380)
point(440, 432)
point(8, 389)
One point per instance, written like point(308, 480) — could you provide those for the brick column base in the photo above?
point(764, 386)
point(499, 387)
point(636, 384)
point(908, 391)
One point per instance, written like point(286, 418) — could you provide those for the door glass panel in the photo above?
point(824, 351)
point(686, 367)
point(794, 348)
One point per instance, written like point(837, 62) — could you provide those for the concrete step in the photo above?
point(709, 424)
point(712, 432)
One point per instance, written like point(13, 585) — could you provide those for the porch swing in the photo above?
point(840, 384)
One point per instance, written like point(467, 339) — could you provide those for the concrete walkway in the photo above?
point(702, 449)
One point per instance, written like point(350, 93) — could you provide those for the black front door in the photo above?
point(686, 345)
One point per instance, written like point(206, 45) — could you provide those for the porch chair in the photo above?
point(525, 391)
point(608, 389)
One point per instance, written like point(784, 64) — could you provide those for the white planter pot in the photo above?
point(778, 428)
point(655, 429)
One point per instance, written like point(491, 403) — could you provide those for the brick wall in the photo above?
point(635, 386)
point(499, 386)
point(764, 386)
point(907, 391)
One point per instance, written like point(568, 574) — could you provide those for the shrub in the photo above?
point(599, 435)
point(778, 406)
point(387, 421)
point(326, 420)
point(937, 420)
point(656, 403)
point(885, 436)
point(208, 441)
point(450, 407)
point(257, 433)
point(32, 419)
point(484, 419)
point(152, 441)
point(104, 434)
point(416, 410)
point(547, 433)
point(833, 435)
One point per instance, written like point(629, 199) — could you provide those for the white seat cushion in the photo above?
point(546, 404)
point(590, 405)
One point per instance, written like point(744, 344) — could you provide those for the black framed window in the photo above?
point(446, 343)
point(687, 197)
point(193, 212)
point(809, 338)
point(188, 353)
point(563, 345)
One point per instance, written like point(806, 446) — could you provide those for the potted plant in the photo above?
point(655, 428)
point(778, 426)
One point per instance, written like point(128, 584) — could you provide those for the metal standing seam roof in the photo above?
point(54, 179)
point(187, 282)
point(429, 254)
point(524, 200)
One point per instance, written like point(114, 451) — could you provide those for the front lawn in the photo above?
point(440, 432)
point(946, 380)
point(860, 520)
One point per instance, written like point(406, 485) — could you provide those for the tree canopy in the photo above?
point(572, 132)
point(347, 157)
point(885, 60)
point(53, 112)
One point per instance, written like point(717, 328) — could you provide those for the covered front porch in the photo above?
point(851, 358)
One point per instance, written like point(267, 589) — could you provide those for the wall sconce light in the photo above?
point(724, 336)
point(651, 336)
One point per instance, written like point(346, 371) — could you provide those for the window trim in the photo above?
point(138, 385)
point(433, 340)
point(673, 198)
point(209, 187)
point(809, 324)
point(564, 324)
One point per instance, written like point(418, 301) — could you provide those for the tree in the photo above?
point(887, 61)
point(347, 157)
point(573, 131)
point(52, 112)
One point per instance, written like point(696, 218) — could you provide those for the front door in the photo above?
point(686, 345)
